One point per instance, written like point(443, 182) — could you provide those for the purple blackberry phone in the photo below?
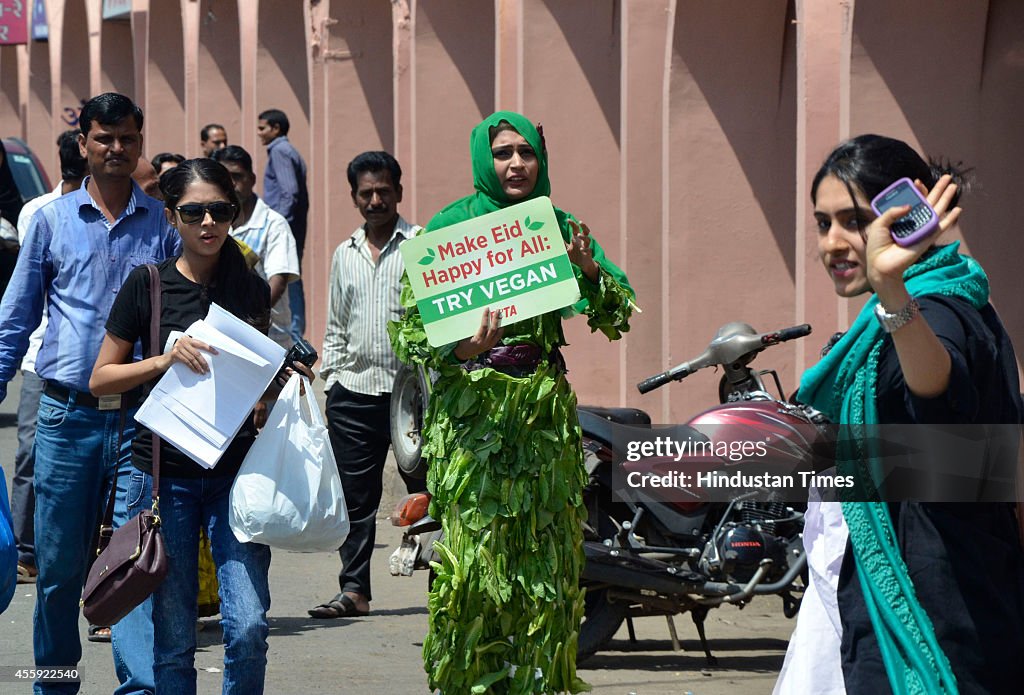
point(916, 224)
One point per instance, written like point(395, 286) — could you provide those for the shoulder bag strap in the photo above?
point(154, 347)
point(107, 526)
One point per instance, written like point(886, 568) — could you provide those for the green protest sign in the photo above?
point(512, 261)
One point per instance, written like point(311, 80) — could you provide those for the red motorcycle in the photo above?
point(669, 549)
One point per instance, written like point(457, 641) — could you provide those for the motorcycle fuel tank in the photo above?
point(752, 436)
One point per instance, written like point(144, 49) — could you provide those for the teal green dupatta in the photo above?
point(843, 386)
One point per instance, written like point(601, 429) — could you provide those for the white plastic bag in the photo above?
point(288, 493)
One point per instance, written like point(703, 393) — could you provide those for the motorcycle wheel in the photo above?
point(602, 617)
point(601, 620)
point(408, 402)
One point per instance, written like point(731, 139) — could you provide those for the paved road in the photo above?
point(380, 654)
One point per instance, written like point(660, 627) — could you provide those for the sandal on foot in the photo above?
point(26, 573)
point(341, 606)
point(99, 633)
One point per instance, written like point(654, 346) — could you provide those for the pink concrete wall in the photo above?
point(352, 112)
point(163, 98)
point(39, 128)
point(453, 73)
point(282, 72)
point(969, 114)
point(684, 132)
point(75, 42)
point(219, 75)
point(116, 48)
point(570, 84)
point(10, 99)
point(731, 165)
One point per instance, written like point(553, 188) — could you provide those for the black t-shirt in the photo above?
point(964, 559)
point(183, 302)
point(983, 386)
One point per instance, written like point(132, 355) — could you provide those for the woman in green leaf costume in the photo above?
point(503, 445)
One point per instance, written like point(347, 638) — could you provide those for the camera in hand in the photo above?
point(302, 352)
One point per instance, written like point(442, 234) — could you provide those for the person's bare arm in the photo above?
point(115, 373)
point(277, 283)
point(923, 358)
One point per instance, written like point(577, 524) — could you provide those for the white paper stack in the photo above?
point(201, 413)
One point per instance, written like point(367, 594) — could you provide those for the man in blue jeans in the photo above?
point(77, 253)
point(23, 499)
point(284, 190)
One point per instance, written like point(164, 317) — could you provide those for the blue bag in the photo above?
point(8, 551)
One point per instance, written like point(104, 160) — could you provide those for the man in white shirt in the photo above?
point(359, 366)
point(72, 170)
point(268, 235)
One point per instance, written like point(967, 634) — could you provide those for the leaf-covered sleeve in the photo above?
point(409, 339)
point(608, 303)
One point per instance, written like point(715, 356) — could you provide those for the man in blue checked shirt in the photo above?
point(284, 190)
point(78, 251)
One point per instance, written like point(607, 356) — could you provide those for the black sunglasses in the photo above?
point(195, 212)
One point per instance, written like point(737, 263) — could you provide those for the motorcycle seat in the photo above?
point(600, 423)
point(621, 416)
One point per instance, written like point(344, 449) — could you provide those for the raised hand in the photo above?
point(886, 260)
point(580, 252)
point(486, 337)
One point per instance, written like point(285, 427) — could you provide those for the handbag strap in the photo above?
point(154, 346)
point(107, 525)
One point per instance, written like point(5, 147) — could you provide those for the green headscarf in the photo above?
point(490, 196)
point(843, 386)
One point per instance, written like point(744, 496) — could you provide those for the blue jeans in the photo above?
point(132, 636)
point(76, 457)
point(242, 571)
point(297, 305)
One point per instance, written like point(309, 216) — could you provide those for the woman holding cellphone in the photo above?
point(200, 202)
point(907, 596)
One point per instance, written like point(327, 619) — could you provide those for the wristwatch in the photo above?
point(899, 319)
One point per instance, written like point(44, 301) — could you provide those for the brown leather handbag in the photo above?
point(131, 560)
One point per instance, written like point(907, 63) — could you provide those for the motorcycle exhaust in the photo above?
point(618, 568)
point(612, 566)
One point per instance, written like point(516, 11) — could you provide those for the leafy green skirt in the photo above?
point(506, 474)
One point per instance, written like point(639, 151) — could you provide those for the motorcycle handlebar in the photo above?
point(659, 380)
point(653, 382)
point(786, 334)
point(735, 342)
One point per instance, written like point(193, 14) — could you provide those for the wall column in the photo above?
point(824, 38)
point(190, 39)
point(248, 40)
point(315, 275)
point(508, 55)
point(94, 17)
point(140, 49)
point(55, 44)
point(646, 52)
point(404, 86)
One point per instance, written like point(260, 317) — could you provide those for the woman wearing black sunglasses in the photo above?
point(201, 204)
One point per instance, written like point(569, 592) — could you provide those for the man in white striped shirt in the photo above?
point(359, 365)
